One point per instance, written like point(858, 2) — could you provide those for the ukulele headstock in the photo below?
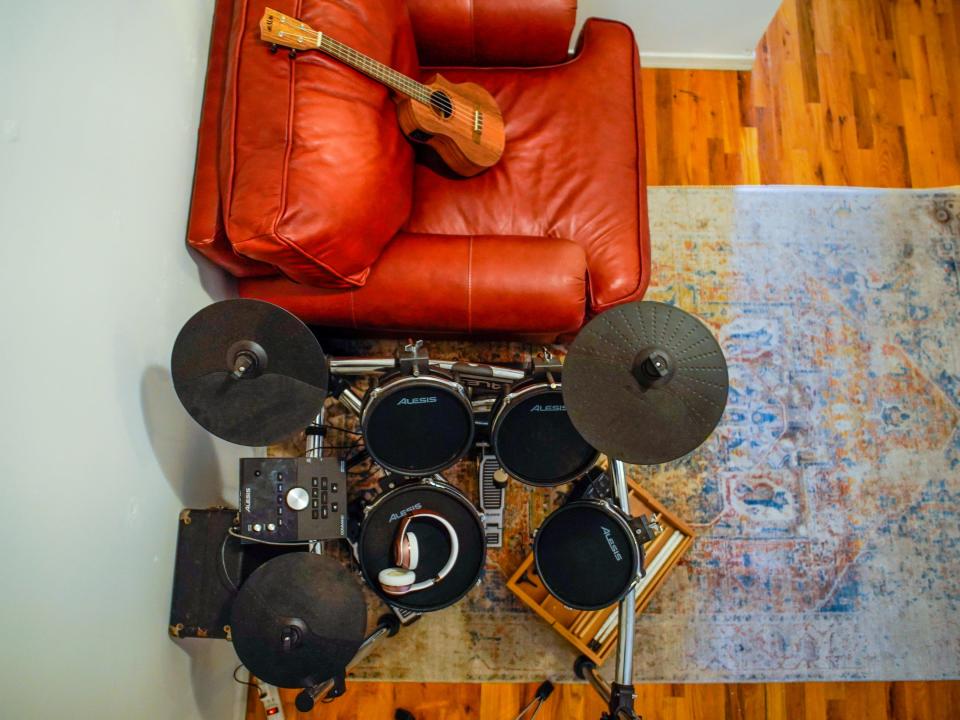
point(279, 29)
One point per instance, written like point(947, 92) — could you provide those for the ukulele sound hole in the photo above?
point(442, 104)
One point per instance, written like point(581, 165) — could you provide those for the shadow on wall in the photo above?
point(211, 664)
point(188, 459)
point(184, 450)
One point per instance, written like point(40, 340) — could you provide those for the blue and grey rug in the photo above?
point(827, 504)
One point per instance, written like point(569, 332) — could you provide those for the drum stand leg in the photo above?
point(620, 696)
point(315, 436)
point(387, 626)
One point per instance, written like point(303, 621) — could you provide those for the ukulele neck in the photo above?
point(396, 81)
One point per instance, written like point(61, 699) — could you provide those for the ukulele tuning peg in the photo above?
point(293, 54)
point(273, 49)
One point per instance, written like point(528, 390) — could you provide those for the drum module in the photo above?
point(292, 499)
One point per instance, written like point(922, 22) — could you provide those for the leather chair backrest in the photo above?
point(518, 33)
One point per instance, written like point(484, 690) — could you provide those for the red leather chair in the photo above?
point(554, 233)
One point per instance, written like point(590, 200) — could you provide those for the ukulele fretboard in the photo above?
point(376, 70)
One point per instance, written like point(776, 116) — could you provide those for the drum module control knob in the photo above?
point(298, 499)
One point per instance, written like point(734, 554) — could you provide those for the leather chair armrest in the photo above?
point(205, 230)
point(451, 285)
point(492, 32)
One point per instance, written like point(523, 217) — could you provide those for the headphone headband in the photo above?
point(402, 530)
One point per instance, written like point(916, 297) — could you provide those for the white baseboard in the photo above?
point(697, 61)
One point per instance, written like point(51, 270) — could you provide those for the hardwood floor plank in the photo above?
point(862, 114)
point(707, 702)
point(842, 92)
point(808, 51)
point(771, 701)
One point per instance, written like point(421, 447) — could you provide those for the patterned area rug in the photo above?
point(826, 504)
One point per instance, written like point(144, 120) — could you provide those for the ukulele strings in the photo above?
point(417, 88)
point(377, 68)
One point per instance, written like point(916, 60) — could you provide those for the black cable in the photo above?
point(343, 430)
point(365, 474)
point(260, 691)
point(267, 542)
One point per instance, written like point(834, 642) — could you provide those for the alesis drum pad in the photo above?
point(378, 538)
point(645, 382)
point(587, 554)
point(417, 425)
point(249, 372)
point(533, 438)
point(299, 620)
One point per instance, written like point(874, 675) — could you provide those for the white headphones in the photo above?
point(401, 579)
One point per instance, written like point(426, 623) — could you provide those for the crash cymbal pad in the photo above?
point(645, 382)
point(298, 620)
point(249, 371)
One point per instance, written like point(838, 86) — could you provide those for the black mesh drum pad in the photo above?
point(380, 528)
point(585, 555)
point(536, 443)
point(418, 429)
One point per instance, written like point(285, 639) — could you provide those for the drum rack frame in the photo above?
point(620, 694)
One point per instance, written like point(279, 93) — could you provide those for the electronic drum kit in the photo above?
point(642, 383)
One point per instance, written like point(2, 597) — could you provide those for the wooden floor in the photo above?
point(808, 701)
point(843, 92)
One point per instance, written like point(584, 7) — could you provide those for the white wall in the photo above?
point(712, 34)
point(100, 103)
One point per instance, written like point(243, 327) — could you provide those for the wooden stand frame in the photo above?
point(594, 632)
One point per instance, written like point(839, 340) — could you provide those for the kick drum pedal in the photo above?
point(493, 481)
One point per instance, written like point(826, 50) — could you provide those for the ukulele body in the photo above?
point(462, 123)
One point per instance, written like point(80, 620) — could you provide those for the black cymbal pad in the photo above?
point(249, 371)
point(299, 620)
point(645, 382)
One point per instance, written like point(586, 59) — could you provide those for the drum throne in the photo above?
point(308, 193)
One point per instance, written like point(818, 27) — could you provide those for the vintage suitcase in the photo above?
point(210, 566)
point(207, 573)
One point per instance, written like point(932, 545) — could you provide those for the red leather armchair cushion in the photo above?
point(451, 285)
point(492, 32)
point(315, 175)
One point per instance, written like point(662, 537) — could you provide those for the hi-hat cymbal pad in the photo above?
point(249, 371)
point(645, 382)
point(299, 619)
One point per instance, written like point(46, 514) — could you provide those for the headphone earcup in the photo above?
point(396, 581)
point(413, 551)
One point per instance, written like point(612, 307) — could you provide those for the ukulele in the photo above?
point(461, 121)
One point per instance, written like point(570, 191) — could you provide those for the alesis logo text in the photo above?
point(548, 408)
point(613, 546)
point(418, 401)
point(403, 513)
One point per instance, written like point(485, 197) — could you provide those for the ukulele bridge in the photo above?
point(477, 124)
